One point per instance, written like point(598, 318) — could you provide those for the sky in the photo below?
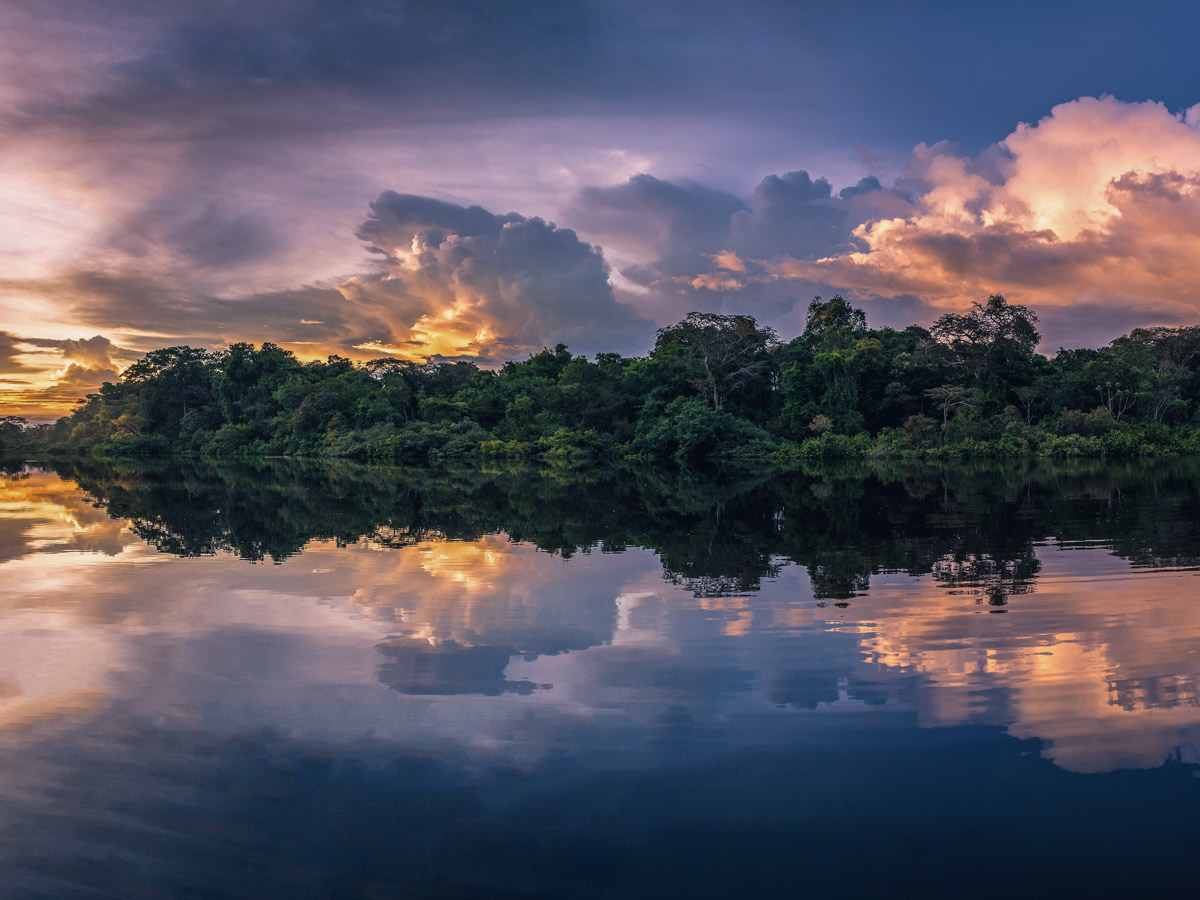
point(463, 180)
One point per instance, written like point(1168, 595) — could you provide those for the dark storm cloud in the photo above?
point(790, 214)
point(214, 235)
point(396, 218)
point(685, 223)
point(787, 215)
point(10, 350)
point(462, 281)
point(710, 246)
point(793, 215)
point(456, 281)
point(313, 64)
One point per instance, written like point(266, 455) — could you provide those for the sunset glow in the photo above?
point(599, 448)
point(138, 209)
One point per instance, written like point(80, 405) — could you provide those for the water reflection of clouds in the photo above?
point(1071, 663)
point(43, 513)
point(495, 644)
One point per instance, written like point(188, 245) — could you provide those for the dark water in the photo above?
point(307, 681)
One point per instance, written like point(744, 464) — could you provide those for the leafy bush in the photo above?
point(835, 446)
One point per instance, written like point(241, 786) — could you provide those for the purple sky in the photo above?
point(480, 180)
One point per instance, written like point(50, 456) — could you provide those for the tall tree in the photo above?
point(992, 340)
point(718, 356)
point(833, 324)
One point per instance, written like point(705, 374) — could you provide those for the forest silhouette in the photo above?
point(717, 392)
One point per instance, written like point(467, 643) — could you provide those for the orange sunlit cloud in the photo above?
point(1099, 201)
point(1091, 216)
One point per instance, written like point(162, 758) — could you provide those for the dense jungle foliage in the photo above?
point(716, 392)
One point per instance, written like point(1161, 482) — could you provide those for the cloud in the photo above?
point(450, 281)
point(56, 372)
point(218, 235)
point(794, 215)
point(11, 351)
point(463, 282)
point(710, 247)
point(1093, 210)
point(689, 224)
point(284, 65)
point(92, 353)
point(684, 223)
point(1097, 206)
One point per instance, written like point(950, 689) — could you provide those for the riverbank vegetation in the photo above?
point(716, 392)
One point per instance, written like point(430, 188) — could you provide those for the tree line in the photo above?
point(716, 391)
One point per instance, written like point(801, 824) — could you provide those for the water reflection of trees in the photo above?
point(973, 528)
point(986, 577)
point(1166, 691)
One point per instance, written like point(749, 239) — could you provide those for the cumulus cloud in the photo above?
point(688, 224)
point(450, 282)
point(54, 373)
point(464, 282)
point(684, 223)
point(1094, 212)
point(711, 248)
point(1096, 206)
point(794, 215)
point(94, 353)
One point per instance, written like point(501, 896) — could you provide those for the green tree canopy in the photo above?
point(717, 356)
point(989, 338)
point(833, 324)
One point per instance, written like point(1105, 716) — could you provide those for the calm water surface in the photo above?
point(307, 681)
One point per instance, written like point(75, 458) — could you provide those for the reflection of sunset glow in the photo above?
point(1098, 661)
point(461, 562)
point(1064, 686)
point(22, 714)
point(52, 515)
point(468, 568)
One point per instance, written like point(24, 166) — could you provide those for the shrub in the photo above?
point(835, 446)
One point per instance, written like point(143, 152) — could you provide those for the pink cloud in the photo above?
point(1097, 202)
